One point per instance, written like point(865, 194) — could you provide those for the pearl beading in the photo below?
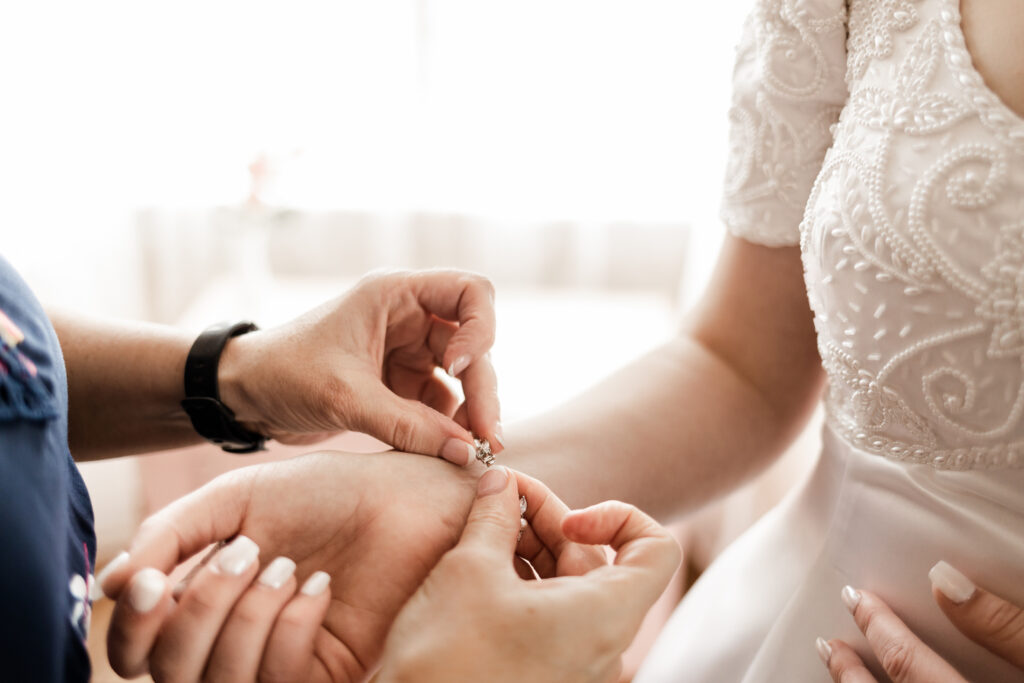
point(911, 236)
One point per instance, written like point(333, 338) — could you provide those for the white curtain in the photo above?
point(490, 119)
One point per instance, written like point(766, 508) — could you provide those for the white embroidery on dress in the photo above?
point(872, 25)
point(787, 95)
point(912, 237)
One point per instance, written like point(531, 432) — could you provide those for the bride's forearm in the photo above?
point(664, 439)
point(699, 415)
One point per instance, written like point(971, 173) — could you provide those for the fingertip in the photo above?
point(824, 649)
point(842, 662)
point(498, 437)
point(146, 590)
point(458, 364)
point(316, 584)
point(951, 583)
point(110, 581)
point(494, 480)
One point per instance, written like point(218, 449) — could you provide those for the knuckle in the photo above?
point(1004, 624)
point(292, 619)
point(247, 613)
point(201, 601)
point(403, 431)
point(897, 658)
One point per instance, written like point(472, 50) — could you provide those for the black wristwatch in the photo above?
point(212, 419)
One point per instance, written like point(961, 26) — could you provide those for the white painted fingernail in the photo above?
point(499, 434)
point(316, 584)
point(146, 589)
point(237, 556)
point(458, 365)
point(824, 650)
point(277, 572)
point(851, 598)
point(96, 591)
point(951, 583)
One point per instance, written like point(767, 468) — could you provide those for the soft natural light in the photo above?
point(553, 109)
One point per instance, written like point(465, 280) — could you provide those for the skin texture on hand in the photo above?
point(376, 523)
point(366, 362)
point(474, 619)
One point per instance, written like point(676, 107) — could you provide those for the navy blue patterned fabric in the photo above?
point(47, 541)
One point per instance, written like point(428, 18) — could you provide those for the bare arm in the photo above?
point(124, 386)
point(699, 415)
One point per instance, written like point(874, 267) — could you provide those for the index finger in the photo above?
point(990, 621)
point(641, 545)
point(481, 411)
point(179, 531)
point(901, 653)
point(465, 298)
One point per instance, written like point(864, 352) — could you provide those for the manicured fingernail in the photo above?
point(238, 556)
point(277, 572)
point(499, 434)
point(458, 452)
point(492, 481)
point(824, 650)
point(146, 589)
point(458, 365)
point(316, 584)
point(851, 598)
point(96, 592)
point(951, 582)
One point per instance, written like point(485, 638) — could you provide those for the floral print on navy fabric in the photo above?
point(23, 393)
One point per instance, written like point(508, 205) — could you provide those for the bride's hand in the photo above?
point(983, 617)
point(376, 523)
point(474, 619)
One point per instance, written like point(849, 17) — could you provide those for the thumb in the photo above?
point(412, 426)
point(183, 528)
point(493, 524)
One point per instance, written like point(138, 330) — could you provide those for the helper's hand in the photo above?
point(983, 617)
point(365, 362)
point(474, 619)
point(377, 524)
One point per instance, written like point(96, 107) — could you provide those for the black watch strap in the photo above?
point(212, 419)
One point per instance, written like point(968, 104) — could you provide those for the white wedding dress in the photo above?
point(862, 132)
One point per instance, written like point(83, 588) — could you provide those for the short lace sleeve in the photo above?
point(788, 89)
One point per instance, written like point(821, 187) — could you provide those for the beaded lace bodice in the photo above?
point(912, 230)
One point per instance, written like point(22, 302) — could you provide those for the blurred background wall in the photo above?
point(194, 161)
point(188, 161)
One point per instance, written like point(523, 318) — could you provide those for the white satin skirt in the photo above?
point(861, 520)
